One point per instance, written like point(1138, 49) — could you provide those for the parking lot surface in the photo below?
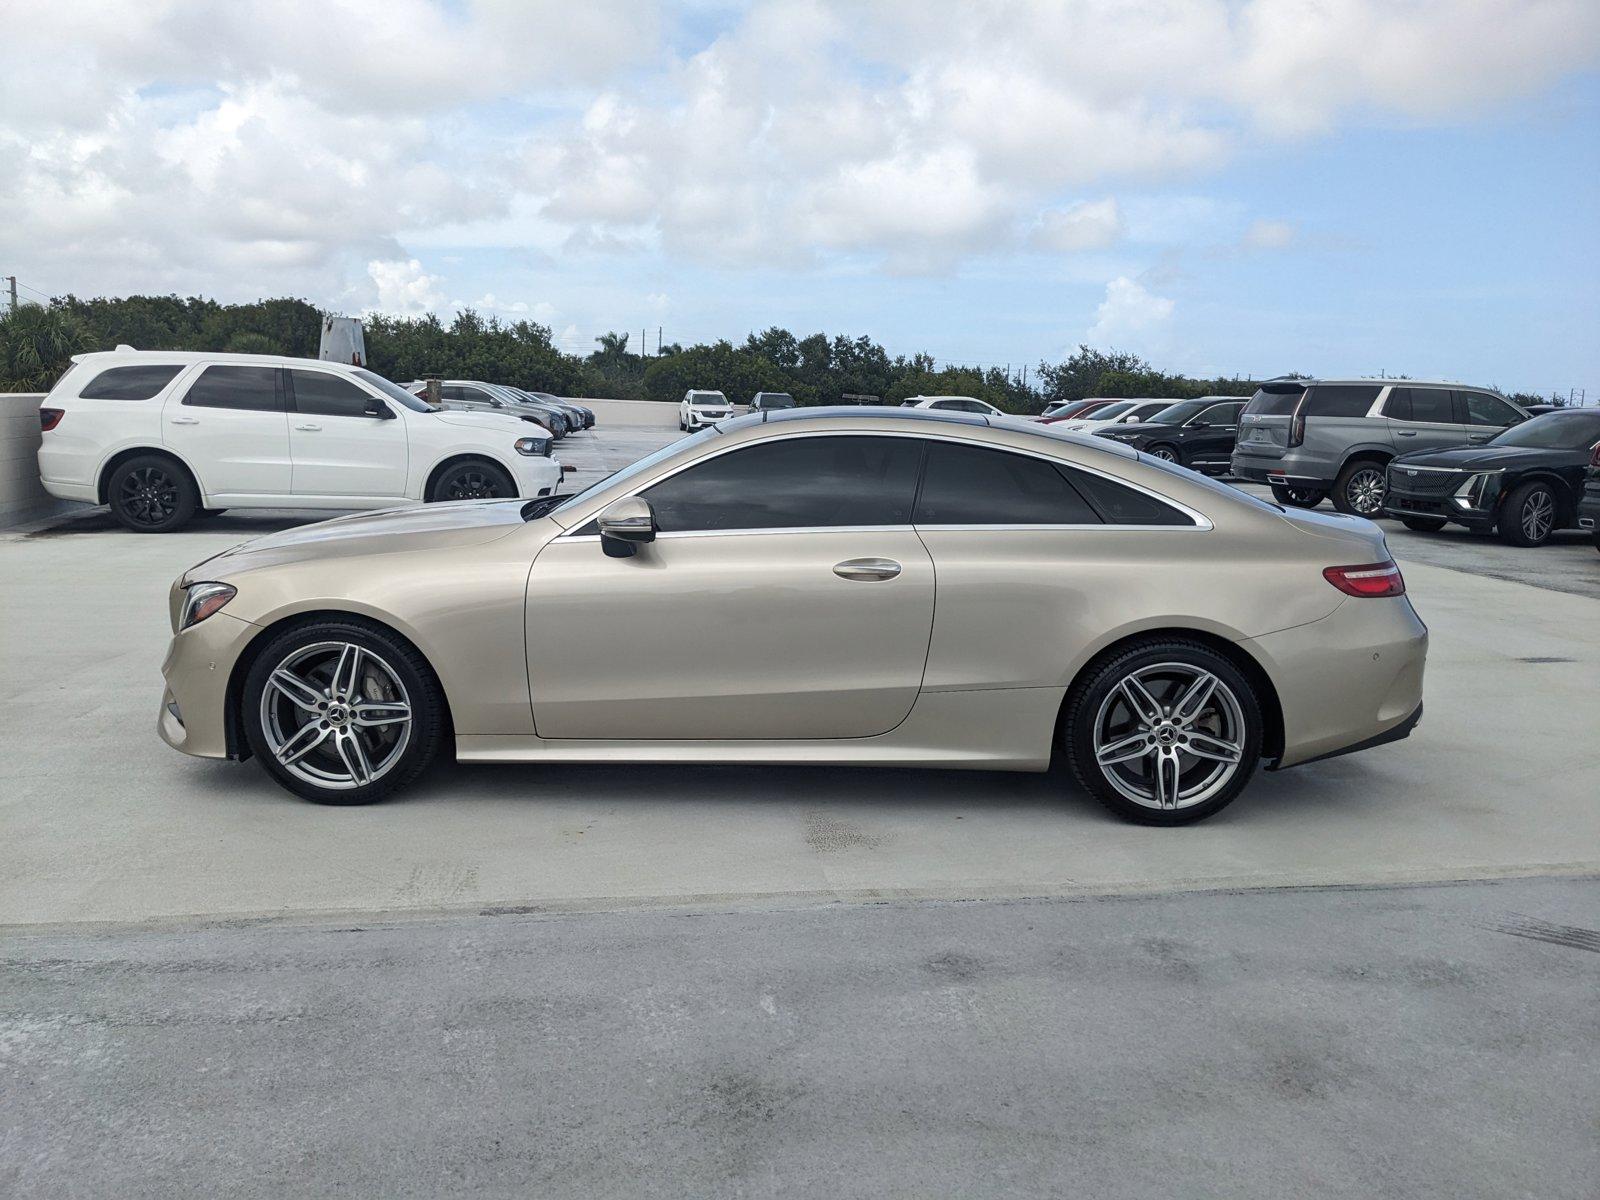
point(104, 823)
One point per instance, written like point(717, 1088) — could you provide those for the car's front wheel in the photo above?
point(150, 493)
point(473, 480)
point(1165, 732)
point(1529, 515)
point(1298, 497)
point(342, 712)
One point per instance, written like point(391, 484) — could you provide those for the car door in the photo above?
point(230, 426)
point(1212, 446)
point(338, 447)
point(1484, 415)
point(785, 596)
point(1423, 418)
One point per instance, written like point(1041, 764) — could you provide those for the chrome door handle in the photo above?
point(309, 428)
point(186, 420)
point(865, 569)
point(1480, 437)
point(1405, 433)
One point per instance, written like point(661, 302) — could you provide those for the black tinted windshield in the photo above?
point(394, 391)
point(1555, 431)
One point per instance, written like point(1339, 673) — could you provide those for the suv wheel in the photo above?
point(1297, 497)
point(150, 493)
point(1165, 454)
point(1360, 489)
point(473, 480)
point(1165, 733)
point(341, 712)
point(1528, 515)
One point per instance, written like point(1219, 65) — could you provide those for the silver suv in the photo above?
point(1310, 438)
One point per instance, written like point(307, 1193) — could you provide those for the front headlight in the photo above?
point(203, 599)
point(533, 446)
point(1474, 489)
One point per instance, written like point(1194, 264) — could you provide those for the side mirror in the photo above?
point(377, 408)
point(626, 525)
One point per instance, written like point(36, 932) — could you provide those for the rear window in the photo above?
point(1119, 504)
point(1341, 400)
point(973, 485)
point(129, 383)
point(1274, 402)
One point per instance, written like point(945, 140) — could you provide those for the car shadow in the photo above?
point(249, 524)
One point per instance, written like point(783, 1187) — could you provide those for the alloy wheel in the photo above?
point(336, 715)
point(149, 495)
point(1163, 454)
point(1365, 491)
point(1538, 515)
point(1169, 736)
point(472, 484)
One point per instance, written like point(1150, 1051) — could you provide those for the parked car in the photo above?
point(1526, 482)
point(1309, 438)
point(578, 417)
point(771, 401)
point(474, 395)
point(1194, 630)
point(1057, 413)
point(164, 436)
point(1589, 502)
point(1195, 433)
point(967, 404)
point(700, 408)
point(1124, 412)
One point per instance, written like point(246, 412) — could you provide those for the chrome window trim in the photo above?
point(1202, 523)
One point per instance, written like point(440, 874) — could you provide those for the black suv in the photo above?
point(1525, 482)
point(1192, 433)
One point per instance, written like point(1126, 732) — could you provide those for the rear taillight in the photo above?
point(1297, 428)
point(49, 418)
point(1370, 579)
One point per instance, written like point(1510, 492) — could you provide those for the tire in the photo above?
point(342, 760)
point(1528, 515)
point(682, 428)
point(152, 493)
point(1166, 453)
point(1101, 716)
point(473, 479)
point(1295, 497)
point(1360, 489)
point(1424, 524)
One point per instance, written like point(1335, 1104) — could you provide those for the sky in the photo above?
point(1326, 186)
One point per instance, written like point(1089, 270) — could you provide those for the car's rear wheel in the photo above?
point(1164, 733)
point(1360, 489)
point(151, 493)
point(1298, 497)
point(1529, 515)
point(1424, 524)
point(1166, 454)
point(473, 479)
point(342, 712)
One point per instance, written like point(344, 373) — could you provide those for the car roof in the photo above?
point(1374, 381)
point(128, 354)
point(923, 417)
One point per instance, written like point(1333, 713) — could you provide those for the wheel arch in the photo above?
point(1272, 734)
point(236, 745)
point(1364, 453)
point(463, 456)
point(114, 460)
point(1566, 497)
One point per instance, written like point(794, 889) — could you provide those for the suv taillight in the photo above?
point(1297, 423)
point(1369, 579)
point(49, 418)
point(1594, 459)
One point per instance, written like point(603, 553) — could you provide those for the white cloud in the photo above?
point(1128, 315)
point(404, 288)
point(1089, 225)
point(1263, 234)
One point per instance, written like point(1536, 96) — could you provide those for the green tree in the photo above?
point(36, 346)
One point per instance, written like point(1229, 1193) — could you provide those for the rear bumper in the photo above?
point(1257, 468)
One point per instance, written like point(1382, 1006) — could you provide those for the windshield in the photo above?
point(393, 391)
point(1177, 414)
point(1554, 431)
point(644, 464)
point(777, 400)
point(1111, 410)
point(714, 399)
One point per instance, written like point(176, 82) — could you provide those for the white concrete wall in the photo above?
point(21, 498)
point(631, 412)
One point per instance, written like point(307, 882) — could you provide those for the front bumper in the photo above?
point(199, 663)
point(537, 476)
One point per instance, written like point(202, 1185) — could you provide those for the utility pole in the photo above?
point(12, 280)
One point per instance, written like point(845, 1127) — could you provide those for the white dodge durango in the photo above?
point(164, 436)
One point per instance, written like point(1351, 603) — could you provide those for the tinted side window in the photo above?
point(973, 485)
point(328, 395)
point(1420, 404)
point(799, 483)
point(1119, 504)
point(1478, 408)
point(252, 388)
point(129, 383)
point(1218, 414)
point(1340, 400)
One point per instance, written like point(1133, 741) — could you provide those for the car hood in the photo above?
point(390, 531)
point(1489, 458)
point(479, 420)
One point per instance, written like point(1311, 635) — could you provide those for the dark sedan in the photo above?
point(1192, 433)
point(1525, 482)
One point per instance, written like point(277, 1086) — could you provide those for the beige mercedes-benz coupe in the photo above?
point(902, 587)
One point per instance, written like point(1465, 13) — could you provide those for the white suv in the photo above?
point(701, 408)
point(968, 404)
point(161, 437)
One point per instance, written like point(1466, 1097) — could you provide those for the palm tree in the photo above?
point(36, 345)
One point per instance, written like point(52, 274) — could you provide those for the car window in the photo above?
point(328, 395)
point(974, 485)
point(1218, 414)
point(1570, 429)
point(1119, 504)
point(129, 383)
point(1432, 405)
point(251, 388)
point(1479, 408)
point(797, 483)
point(1278, 400)
point(1341, 400)
point(474, 395)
